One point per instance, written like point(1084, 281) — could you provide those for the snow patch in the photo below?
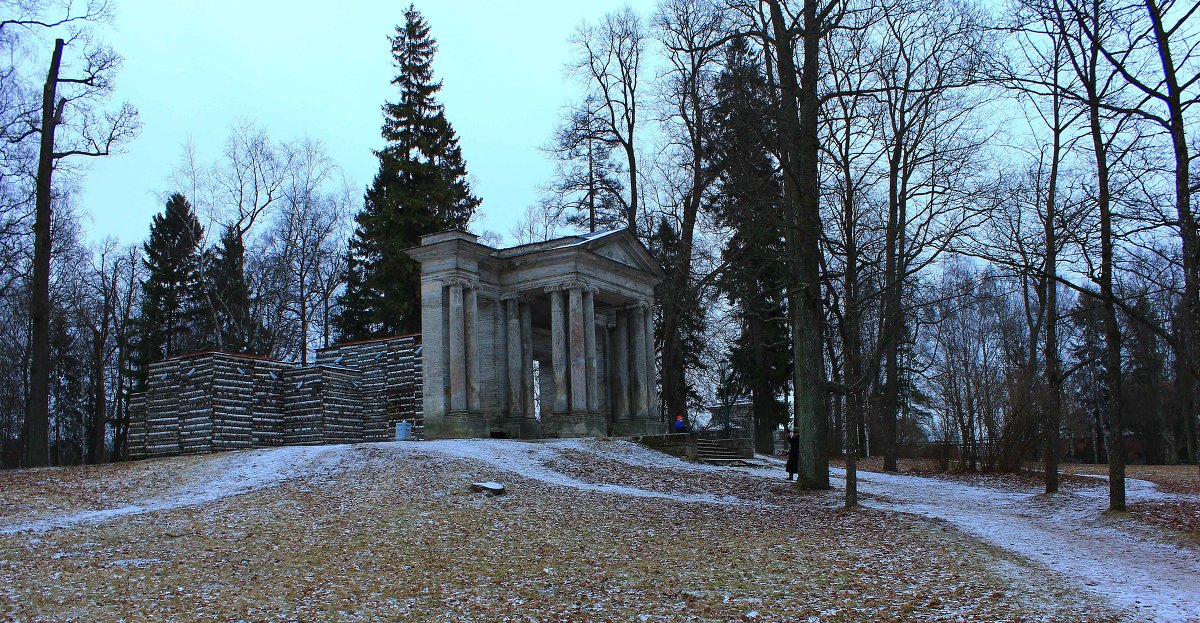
point(225, 475)
point(1108, 556)
point(137, 562)
point(530, 460)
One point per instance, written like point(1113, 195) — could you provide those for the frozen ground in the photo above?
point(1131, 565)
point(226, 475)
point(1065, 538)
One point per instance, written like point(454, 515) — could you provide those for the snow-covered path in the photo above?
point(225, 475)
point(1068, 532)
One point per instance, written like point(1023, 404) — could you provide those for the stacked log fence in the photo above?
point(205, 402)
point(135, 442)
point(391, 382)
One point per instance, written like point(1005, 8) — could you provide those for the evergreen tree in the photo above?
point(749, 203)
point(421, 188)
point(171, 290)
point(1147, 386)
point(227, 300)
point(666, 245)
point(1089, 383)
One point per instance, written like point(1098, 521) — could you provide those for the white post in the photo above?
point(620, 366)
point(640, 361)
point(531, 409)
point(578, 359)
point(433, 349)
point(516, 366)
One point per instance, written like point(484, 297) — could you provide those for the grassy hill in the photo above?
point(589, 531)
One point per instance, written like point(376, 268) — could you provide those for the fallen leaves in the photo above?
point(395, 535)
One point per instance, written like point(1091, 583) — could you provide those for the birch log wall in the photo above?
point(205, 402)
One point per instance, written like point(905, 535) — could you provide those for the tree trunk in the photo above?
point(798, 109)
point(892, 314)
point(1190, 236)
point(1053, 404)
point(631, 162)
point(1113, 426)
point(303, 307)
point(37, 417)
point(852, 358)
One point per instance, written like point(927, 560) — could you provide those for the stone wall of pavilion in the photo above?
point(580, 307)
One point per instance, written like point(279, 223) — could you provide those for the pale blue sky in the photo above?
point(305, 69)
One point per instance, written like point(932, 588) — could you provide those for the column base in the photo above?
point(523, 428)
point(579, 424)
point(636, 427)
point(456, 425)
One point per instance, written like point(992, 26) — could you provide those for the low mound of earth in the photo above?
point(589, 530)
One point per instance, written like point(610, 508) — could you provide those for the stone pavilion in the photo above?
point(550, 339)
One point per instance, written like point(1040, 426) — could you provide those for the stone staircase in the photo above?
point(714, 452)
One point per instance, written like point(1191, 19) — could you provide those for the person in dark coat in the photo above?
point(793, 453)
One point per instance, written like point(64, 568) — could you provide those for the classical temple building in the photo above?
point(551, 339)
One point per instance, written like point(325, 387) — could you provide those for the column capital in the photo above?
point(640, 304)
point(573, 284)
point(513, 295)
point(460, 281)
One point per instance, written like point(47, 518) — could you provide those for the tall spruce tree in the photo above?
point(171, 291)
point(667, 245)
point(421, 188)
point(749, 204)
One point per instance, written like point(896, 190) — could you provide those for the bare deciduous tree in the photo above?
point(87, 133)
point(608, 62)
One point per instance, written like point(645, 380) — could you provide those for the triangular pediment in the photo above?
point(621, 246)
point(615, 252)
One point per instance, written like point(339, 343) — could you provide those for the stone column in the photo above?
point(651, 385)
point(578, 359)
point(499, 357)
point(640, 369)
point(619, 360)
point(457, 355)
point(433, 349)
point(471, 351)
point(516, 364)
point(558, 348)
point(530, 408)
point(589, 350)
